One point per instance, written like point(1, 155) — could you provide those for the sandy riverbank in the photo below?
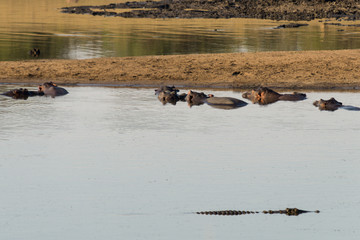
point(288, 70)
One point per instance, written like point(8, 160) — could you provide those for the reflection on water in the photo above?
point(114, 163)
point(39, 24)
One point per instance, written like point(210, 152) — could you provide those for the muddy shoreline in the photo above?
point(295, 10)
point(312, 70)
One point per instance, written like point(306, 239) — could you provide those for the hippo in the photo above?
point(35, 52)
point(22, 93)
point(225, 102)
point(51, 89)
point(195, 98)
point(168, 97)
point(167, 94)
point(329, 105)
point(332, 105)
point(264, 95)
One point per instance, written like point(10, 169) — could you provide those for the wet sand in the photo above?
point(316, 70)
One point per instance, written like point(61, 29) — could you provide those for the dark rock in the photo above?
point(291, 25)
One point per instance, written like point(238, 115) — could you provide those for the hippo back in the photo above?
point(293, 97)
point(225, 101)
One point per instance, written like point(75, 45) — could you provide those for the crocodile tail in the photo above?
point(226, 212)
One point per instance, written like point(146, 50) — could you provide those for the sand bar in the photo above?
point(316, 70)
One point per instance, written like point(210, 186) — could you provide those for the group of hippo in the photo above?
point(45, 89)
point(168, 94)
point(261, 95)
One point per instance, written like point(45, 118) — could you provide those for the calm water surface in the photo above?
point(114, 163)
point(39, 24)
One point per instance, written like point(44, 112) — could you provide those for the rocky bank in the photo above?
point(292, 10)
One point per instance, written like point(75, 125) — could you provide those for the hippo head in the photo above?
point(329, 105)
point(195, 98)
point(254, 96)
point(262, 96)
point(46, 85)
point(267, 95)
point(168, 97)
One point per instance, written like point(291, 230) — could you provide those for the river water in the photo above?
point(114, 163)
point(40, 24)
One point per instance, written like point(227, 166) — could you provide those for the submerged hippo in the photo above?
point(168, 97)
point(167, 94)
point(332, 104)
point(264, 95)
point(225, 102)
point(51, 89)
point(22, 93)
point(195, 98)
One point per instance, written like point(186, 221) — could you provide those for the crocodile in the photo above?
point(287, 211)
